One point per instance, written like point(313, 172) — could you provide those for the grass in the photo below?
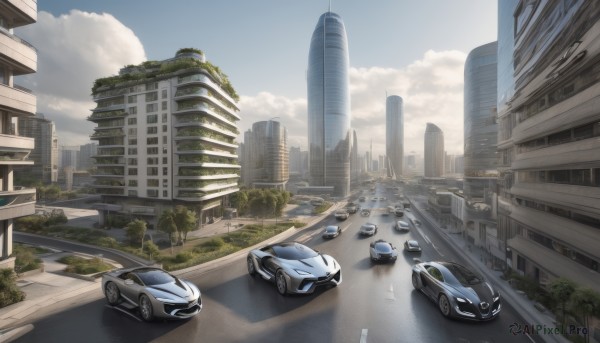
point(26, 259)
point(84, 266)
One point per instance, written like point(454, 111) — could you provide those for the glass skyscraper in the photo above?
point(394, 137)
point(434, 151)
point(329, 132)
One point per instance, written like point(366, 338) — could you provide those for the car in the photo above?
point(374, 199)
point(368, 229)
point(412, 246)
point(365, 212)
point(155, 292)
point(341, 214)
point(352, 207)
point(294, 267)
point(389, 210)
point(399, 212)
point(362, 199)
point(402, 226)
point(383, 251)
point(457, 291)
point(332, 231)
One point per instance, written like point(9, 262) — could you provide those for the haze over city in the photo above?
point(415, 50)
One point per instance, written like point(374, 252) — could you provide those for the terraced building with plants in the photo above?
point(166, 134)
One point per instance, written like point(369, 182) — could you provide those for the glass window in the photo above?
point(152, 140)
point(164, 93)
point(132, 161)
point(132, 121)
point(152, 129)
point(132, 141)
point(133, 110)
point(165, 194)
point(164, 128)
point(152, 171)
point(558, 176)
point(151, 107)
point(132, 183)
point(132, 131)
point(164, 105)
point(152, 151)
point(132, 193)
point(132, 151)
point(165, 171)
point(152, 119)
point(152, 96)
point(132, 171)
point(131, 99)
point(164, 117)
point(152, 183)
point(152, 160)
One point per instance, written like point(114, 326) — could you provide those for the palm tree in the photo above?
point(586, 302)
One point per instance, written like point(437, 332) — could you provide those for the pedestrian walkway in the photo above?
point(517, 299)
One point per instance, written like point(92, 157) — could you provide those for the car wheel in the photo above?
point(145, 308)
point(281, 283)
point(415, 281)
point(113, 295)
point(444, 305)
point(251, 267)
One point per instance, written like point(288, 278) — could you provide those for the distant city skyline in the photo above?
point(265, 55)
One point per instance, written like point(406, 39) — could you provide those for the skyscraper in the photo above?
point(394, 135)
point(329, 133)
point(434, 151)
point(45, 153)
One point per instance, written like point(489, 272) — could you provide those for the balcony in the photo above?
point(16, 100)
point(19, 54)
point(23, 12)
point(107, 133)
point(17, 203)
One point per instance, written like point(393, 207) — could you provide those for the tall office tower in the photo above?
point(329, 133)
point(394, 135)
point(354, 161)
point(45, 153)
point(68, 157)
point(434, 151)
point(17, 57)
point(86, 152)
point(295, 158)
point(265, 156)
point(549, 139)
point(166, 135)
point(480, 137)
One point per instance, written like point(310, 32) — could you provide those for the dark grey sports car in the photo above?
point(155, 292)
point(457, 291)
point(294, 267)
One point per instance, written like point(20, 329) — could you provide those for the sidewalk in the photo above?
point(52, 286)
point(517, 299)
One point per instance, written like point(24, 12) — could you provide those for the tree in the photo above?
point(239, 200)
point(561, 290)
point(9, 291)
point(135, 231)
point(586, 302)
point(166, 224)
point(151, 249)
point(185, 220)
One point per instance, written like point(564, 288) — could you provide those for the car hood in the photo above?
point(478, 293)
point(180, 291)
point(318, 266)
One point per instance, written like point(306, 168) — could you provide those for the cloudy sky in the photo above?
point(415, 49)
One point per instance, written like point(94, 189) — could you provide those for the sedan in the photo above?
point(154, 291)
point(382, 251)
point(402, 226)
point(332, 231)
point(368, 229)
point(294, 267)
point(457, 291)
point(411, 245)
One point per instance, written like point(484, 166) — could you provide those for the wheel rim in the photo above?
point(281, 283)
point(112, 293)
point(145, 308)
point(250, 266)
point(444, 305)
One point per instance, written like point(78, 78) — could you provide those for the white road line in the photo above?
point(390, 293)
point(436, 249)
point(125, 311)
point(345, 227)
point(363, 335)
point(423, 235)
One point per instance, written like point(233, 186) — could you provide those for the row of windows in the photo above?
point(149, 183)
point(577, 177)
point(149, 140)
point(553, 209)
point(150, 161)
point(149, 151)
point(151, 171)
point(150, 108)
point(151, 130)
point(152, 193)
point(566, 136)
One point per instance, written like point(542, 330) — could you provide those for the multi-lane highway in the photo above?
point(374, 303)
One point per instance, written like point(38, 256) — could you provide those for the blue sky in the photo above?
point(414, 49)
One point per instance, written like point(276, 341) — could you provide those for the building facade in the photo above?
point(434, 151)
point(86, 151)
point(548, 139)
point(45, 153)
point(17, 57)
point(166, 135)
point(480, 158)
point(264, 157)
point(394, 136)
point(329, 132)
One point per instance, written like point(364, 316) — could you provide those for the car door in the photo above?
point(269, 261)
point(434, 280)
point(132, 287)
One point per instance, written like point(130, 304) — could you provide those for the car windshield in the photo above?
point(367, 227)
point(402, 224)
point(383, 247)
point(413, 243)
point(463, 275)
point(331, 229)
point(151, 277)
point(294, 251)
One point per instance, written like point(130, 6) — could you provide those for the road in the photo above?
point(374, 303)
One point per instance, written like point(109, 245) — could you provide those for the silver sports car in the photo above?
point(457, 291)
point(294, 267)
point(155, 292)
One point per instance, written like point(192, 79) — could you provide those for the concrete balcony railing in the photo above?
point(19, 51)
point(17, 100)
point(27, 11)
point(17, 203)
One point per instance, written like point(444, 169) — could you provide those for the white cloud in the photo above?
point(74, 50)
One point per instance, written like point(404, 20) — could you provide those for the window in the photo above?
point(132, 193)
point(152, 160)
point(132, 183)
point(164, 117)
point(152, 193)
point(164, 93)
point(151, 107)
point(165, 194)
point(164, 128)
point(165, 182)
point(164, 141)
point(152, 140)
point(435, 273)
point(558, 176)
point(165, 171)
point(132, 121)
point(151, 86)
point(131, 99)
point(164, 105)
point(132, 131)
point(582, 177)
point(132, 161)
point(583, 132)
point(132, 141)
point(152, 119)
point(152, 182)
point(520, 263)
point(132, 171)
point(153, 171)
point(152, 129)
point(133, 110)
point(152, 151)
point(165, 160)
point(152, 96)
point(132, 151)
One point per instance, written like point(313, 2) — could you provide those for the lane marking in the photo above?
point(423, 235)
point(124, 311)
point(436, 249)
point(363, 335)
point(390, 293)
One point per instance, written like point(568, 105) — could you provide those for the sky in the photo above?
point(414, 49)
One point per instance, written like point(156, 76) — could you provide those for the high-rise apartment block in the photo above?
point(264, 156)
point(434, 151)
point(45, 153)
point(549, 139)
point(394, 135)
point(17, 57)
point(166, 135)
point(329, 132)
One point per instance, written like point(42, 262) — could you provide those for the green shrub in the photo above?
point(184, 256)
point(9, 291)
point(84, 266)
point(25, 258)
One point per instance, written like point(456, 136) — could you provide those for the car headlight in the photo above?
point(164, 300)
point(461, 300)
point(301, 272)
point(496, 298)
